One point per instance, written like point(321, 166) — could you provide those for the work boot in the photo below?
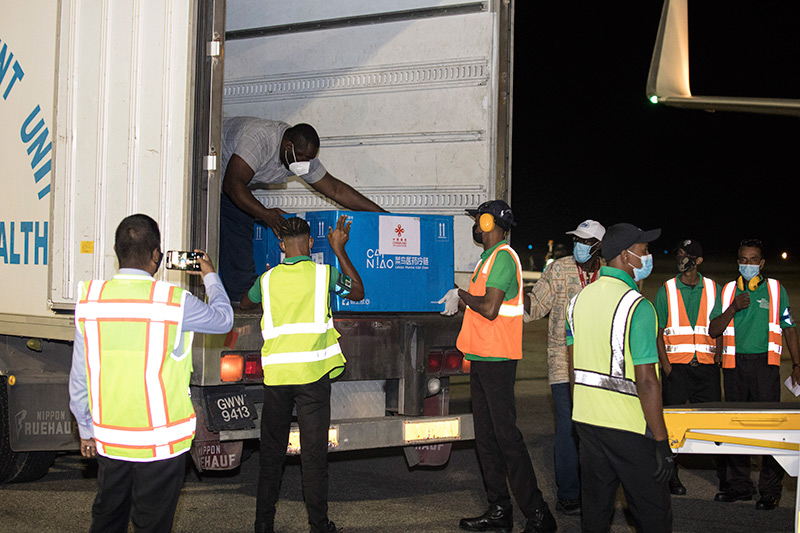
point(676, 488)
point(542, 521)
point(263, 527)
point(330, 527)
point(496, 518)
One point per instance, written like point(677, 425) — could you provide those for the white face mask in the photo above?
point(299, 168)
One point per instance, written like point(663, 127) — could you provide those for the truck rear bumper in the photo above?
point(384, 432)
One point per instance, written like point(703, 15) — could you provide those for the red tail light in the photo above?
point(452, 360)
point(252, 367)
point(435, 360)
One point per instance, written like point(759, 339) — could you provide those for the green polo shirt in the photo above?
point(503, 276)
point(642, 337)
point(691, 300)
point(752, 324)
point(338, 282)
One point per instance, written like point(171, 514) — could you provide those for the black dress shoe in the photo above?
point(767, 503)
point(733, 496)
point(263, 527)
point(542, 521)
point(496, 518)
point(676, 487)
point(569, 507)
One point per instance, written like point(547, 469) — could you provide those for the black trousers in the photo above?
point(753, 380)
point(693, 384)
point(501, 449)
point(610, 457)
point(313, 402)
point(145, 494)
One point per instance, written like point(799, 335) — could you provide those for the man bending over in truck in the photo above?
point(129, 383)
point(255, 153)
point(300, 356)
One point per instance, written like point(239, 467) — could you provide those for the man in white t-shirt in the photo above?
point(257, 152)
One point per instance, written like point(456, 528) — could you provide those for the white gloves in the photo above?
point(450, 301)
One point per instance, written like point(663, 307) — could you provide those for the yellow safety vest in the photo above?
point(138, 383)
point(605, 391)
point(300, 343)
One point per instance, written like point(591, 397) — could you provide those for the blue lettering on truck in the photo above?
point(33, 132)
point(23, 243)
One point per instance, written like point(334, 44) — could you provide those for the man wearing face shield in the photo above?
point(256, 153)
point(611, 339)
point(491, 338)
point(561, 280)
point(754, 319)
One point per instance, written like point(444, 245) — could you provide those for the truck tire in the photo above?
point(23, 466)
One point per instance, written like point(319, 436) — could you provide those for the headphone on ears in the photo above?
point(486, 222)
point(753, 284)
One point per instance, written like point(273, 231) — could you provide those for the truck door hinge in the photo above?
point(214, 48)
point(210, 162)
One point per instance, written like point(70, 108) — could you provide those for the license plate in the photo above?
point(229, 408)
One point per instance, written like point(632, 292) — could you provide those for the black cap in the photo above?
point(622, 236)
point(691, 247)
point(497, 208)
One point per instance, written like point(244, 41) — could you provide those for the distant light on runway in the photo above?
point(784, 256)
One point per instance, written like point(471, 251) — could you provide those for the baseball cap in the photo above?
point(497, 208)
point(691, 247)
point(589, 229)
point(622, 236)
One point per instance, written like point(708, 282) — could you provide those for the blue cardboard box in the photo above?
point(405, 261)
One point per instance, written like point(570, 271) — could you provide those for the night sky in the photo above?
point(588, 144)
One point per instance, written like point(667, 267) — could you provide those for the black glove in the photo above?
point(665, 462)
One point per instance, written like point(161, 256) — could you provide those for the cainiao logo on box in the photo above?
point(399, 235)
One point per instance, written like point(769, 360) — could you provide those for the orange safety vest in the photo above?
point(681, 340)
point(775, 339)
point(501, 337)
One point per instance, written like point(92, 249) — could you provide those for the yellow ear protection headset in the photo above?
point(753, 284)
point(486, 222)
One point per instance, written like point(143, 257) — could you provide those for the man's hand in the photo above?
point(273, 218)
point(206, 266)
point(665, 462)
point(742, 301)
point(450, 301)
point(666, 366)
point(338, 237)
point(88, 448)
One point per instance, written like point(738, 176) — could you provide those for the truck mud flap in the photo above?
point(39, 418)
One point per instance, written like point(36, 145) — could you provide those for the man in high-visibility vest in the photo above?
point(689, 356)
point(129, 382)
point(300, 356)
point(753, 317)
point(491, 339)
point(617, 396)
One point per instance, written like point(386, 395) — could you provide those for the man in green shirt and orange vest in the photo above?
point(617, 396)
point(753, 317)
point(689, 356)
point(129, 382)
point(491, 338)
point(300, 355)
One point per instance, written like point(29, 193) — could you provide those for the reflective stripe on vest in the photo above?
point(300, 341)
point(501, 337)
point(775, 337)
point(138, 398)
point(615, 380)
point(682, 341)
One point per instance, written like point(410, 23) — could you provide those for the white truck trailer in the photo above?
point(109, 108)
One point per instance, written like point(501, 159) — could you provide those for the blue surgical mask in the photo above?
point(748, 272)
point(581, 252)
point(647, 267)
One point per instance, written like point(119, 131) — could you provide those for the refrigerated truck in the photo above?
point(109, 108)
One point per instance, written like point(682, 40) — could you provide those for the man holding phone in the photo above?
point(132, 355)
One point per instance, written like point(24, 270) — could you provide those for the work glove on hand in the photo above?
point(665, 462)
point(450, 301)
